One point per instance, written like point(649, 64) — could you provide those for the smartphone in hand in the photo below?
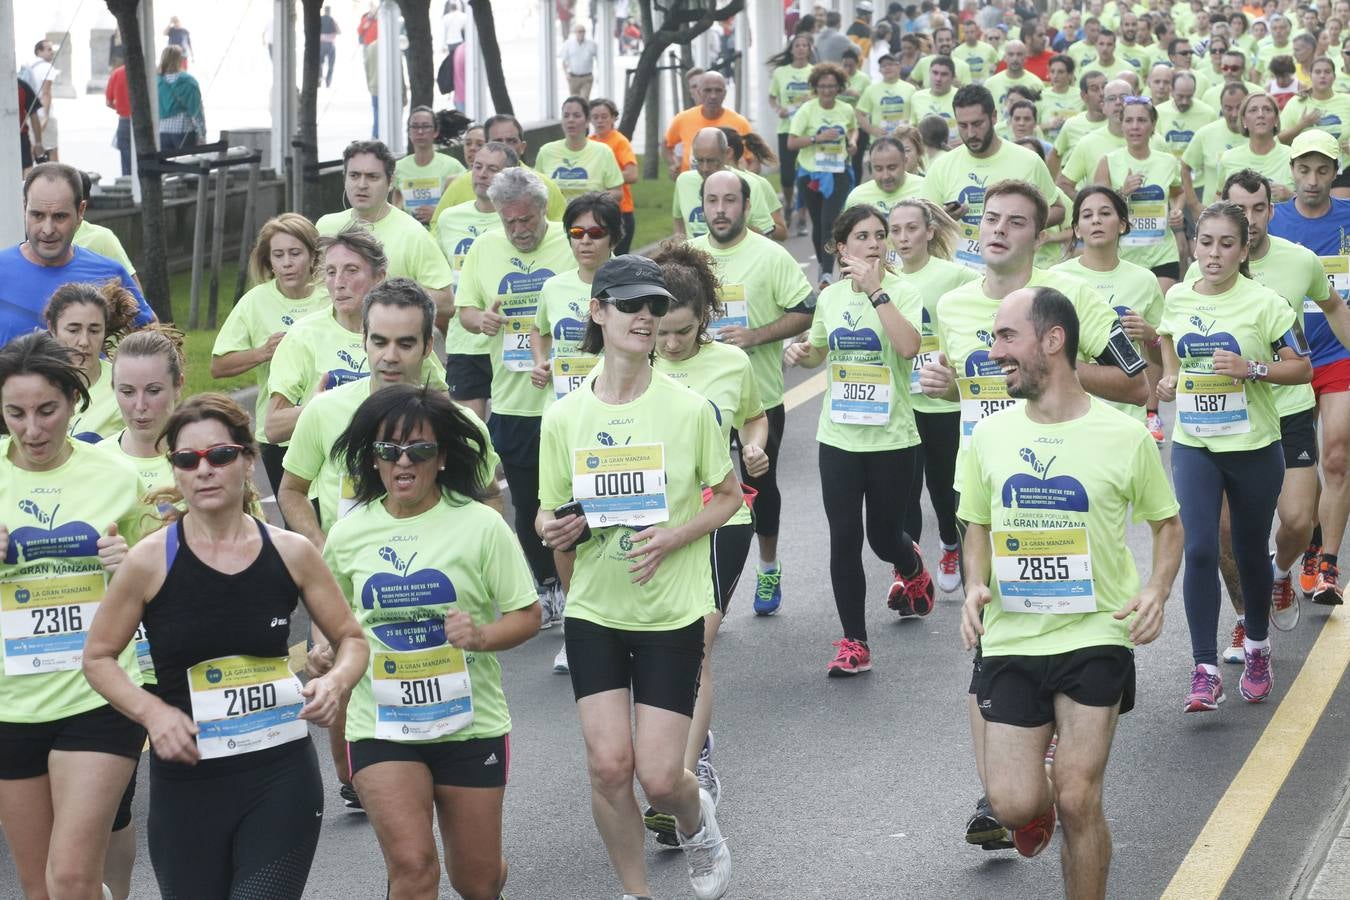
point(573, 509)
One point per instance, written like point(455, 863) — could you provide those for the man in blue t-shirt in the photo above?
point(30, 272)
point(1321, 223)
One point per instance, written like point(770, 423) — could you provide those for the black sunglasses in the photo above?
point(216, 457)
point(419, 452)
point(658, 305)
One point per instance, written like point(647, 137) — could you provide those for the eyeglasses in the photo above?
point(1185, 53)
point(216, 457)
point(1217, 51)
point(1230, 68)
point(827, 85)
point(418, 452)
point(1136, 101)
point(595, 232)
point(658, 305)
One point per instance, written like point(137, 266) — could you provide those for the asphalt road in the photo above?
point(845, 788)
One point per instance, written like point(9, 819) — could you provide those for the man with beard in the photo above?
point(767, 300)
point(1053, 601)
point(944, 42)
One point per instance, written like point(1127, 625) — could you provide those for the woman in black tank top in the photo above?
point(235, 795)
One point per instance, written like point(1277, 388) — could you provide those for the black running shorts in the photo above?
point(24, 746)
point(661, 668)
point(1020, 690)
point(474, 763)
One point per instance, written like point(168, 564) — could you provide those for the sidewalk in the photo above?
point(1329, 878)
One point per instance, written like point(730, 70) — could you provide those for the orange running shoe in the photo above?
point(1307, 577)
point(1327, 591)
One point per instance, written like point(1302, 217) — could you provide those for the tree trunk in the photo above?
point(308, 157)
point(154, 270)
point(421, 55)
point(491, 52)
point(651, 160)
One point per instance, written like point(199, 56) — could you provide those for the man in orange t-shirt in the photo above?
point(711, 114)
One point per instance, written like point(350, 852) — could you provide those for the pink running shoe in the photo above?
point(1035, 836)
point(1206, 691)
point(851, 658)
point(1256, 679)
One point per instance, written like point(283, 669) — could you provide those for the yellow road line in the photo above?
point(796, 396)
point(1215, 854)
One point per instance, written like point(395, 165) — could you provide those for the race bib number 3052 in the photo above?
point(621, 485)
point(44, 621)
point(860, 394)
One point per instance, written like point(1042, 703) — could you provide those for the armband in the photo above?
point(1121, 353)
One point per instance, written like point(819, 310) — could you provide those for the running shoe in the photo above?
point(803, 227)
point(707, 776)
point(851, 658)
point(768, 591)
point(1257, 679)
point(1327, 590)
point(348, 795)
point(1307, 576)
point(1035, 836)
point(983, 829)
point(706, 852)
point(559, 602)
point(560, 661)
point(662, 825)
point(949, 571)
point(1284, 610)
point(546, 600)
point(1155, 427)
point(1051, 748)
point(1233, 652)
point(914, 596)
point(1206, 691)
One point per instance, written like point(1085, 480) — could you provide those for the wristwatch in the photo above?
point(879, 298)
point(1256, 371)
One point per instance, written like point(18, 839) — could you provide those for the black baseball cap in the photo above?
point(629, 277)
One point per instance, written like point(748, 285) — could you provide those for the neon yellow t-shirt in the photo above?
point(104, 242)
point(887, 104)
point(576, 172)
point(1000, 82)
point(1334, 119)
point(980, 60)
point(51, 580)
point(407, 245)
point(1246, 319)
point(1056, 105)
point(455, 232)
point(866, 406)
point(789, 89)
point(870, 192)
point(926, 103)
point(856, 85)
point(670, 427)
point(461, 191)
point(937, 277)
point(1178, 129)
point(563, 313)
point(687, 203)
point(1073, 132)
point(258, 315)
point(919, 74)
point(1150, 242)
point(829, 155)
point(104, 416)
point(422, 186)
point(495, 270)
point(1203, 153)
point(1023, 479)
point(402, 576)
point(763, 275)
point(722, 375)
point(1274, 165)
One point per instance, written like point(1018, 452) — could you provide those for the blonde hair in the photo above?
point(171, 60)
point(945, 230)
point(293, 224)
point(155, 340)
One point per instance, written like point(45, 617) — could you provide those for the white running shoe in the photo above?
point(560, 662)
point(707, 854)
point(546, 600)
point(706, 774)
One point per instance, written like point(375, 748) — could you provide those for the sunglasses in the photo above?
point(1136, 101)
point(1230, 68)
point(216, 457)
point(658, 305)
point(595, 232)
point(1185, 53)
point(419, 452)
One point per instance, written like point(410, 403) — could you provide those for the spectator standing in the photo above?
point(709, 114)
point(830, 42)
point(40, 73)
point(181, 38)
point(118, 98)
point(182, 122)
point(30, 127)
point(328, 33)
point(578, 61)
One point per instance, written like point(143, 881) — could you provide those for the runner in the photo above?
point(741, 151)
point(936, 100)
point(1320, 108)
point(1075, 128)
point(923, 236)
point(506, 129)
point(825, 132)
point(711, 150)
point(1150, 181)
point(593, 226)
point(1055, 634)
point(1200, 160)
point(1260, 117)
point(604, 122)
point(368, 175)
point(66, 757)
point(1316, 220)
point(1059, 101)
point(957, 181)
point(438, 740)
point(498, 297)
point(1220, 357)
point(886, 104)
point(1182, 116)
point(86, 319)
point(722, 374)
point(1079, 166)
point(890, 183)
point(284, 267)
point(788, 90)
point(216, 590)
point(767, 300)
point(422, 176)
point(468, 357)
point(866, 432)
point(642, 585)
point(576, 163)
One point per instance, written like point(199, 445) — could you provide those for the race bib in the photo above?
point(860, 394)
point(737, 310)
point(516, 355)
point(1148, 219)
point(928, 355)
point(420, 695)
point(968, 246)
point(1337, 269)
point(569, 372)
point(44, 620)
point(621, 485)
point(346, 495)
point(1044, 570)
point(419, 192)
point(143, 659)
point(242, 704)
point(981, 397)
point(831, 156)
point(1211, 405)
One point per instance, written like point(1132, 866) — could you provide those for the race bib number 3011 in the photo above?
point(420, 695)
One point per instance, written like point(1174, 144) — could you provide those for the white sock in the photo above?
point(768, 566)
point(1280, 576)
point(1212, 670)
point(1249, 645)
point(946, 546)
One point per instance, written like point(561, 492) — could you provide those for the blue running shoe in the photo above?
point(768, 591)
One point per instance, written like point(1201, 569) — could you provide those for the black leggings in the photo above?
point(769, 503)
point(859, 155)
point(939, 435)
point(629, 226)
point(516, 440)
point(728, 548)
point(848, 481)
point(246, 835)
point(272, 455)
point(787, 173)
point(823, 211)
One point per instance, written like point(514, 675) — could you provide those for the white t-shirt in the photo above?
point(579, 56)
point(453, 24)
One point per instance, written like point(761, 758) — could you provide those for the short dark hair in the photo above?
point(1022, 189)
point(391, 414)
point(1051, 309)
point(55, 171)
point(1063, 58)
point(974, 95)
point(1087, 77)
point(1249, 180)
point(1106, 32)
point(603, 207)
point(504, 117)
point(942, 61)
point(403, 293)
point(38, 353)
point(378, 149)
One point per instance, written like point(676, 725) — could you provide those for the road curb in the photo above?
point(1329, 877)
